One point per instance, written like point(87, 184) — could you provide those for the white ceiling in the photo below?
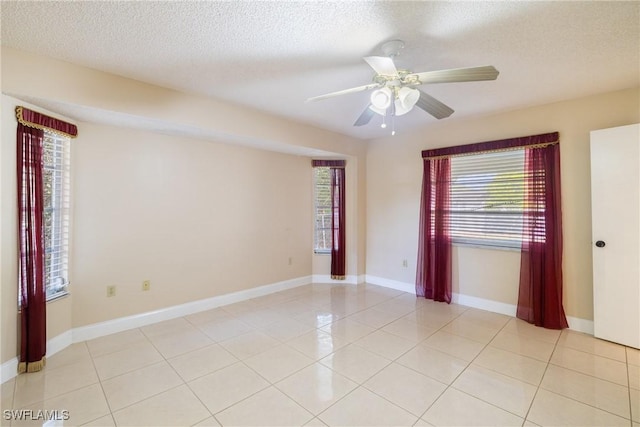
point(273, 55)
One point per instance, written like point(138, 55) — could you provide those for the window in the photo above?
point(322, 207)
point(487, 198)
point(56, 213)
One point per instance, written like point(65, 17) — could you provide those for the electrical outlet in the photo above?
point(146, 285)
point(290, 260)
point(405, 263)
point(111, 291)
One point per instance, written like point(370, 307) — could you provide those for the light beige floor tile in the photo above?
point(173, 326)
point(397, 308)
point(316, 387)
point(473, 331)
point(269, 407)
point(355, 363)
point(485, 318)
point(385, 344)
point(514, 365)
point(602, 394)
point(175, 407)
point(176, 343)
point(462, 348)
point(348, 330)
point(520, 327)
point(207, 316)
point(137, 356)
point(364, 408)
point(115, 342)
point(374, 318)
point(285, 330)
point(525, 346)
point(589, 344)
point(315, 423)
point(590, 364)
point(635, 404)
point(633, 356)
point(528, 423)
point(140, 384)
point(261, 317)
point(227, 386)
point(106, 421)
point(634, 376)
point(455, 408)
point(82, 406)
point(291, 308)
point(6, 394)
point(317, 317)
point(433, 363)
point(224, 329)
point(551, 409)
point(429, 319)
point(39, 386)
point(209, 422)
point(499, 390)
point(406, 388)
point(249, 344)
point(75, 353)
point(317, 344)
point(202, 361)
point(278, 362)
point(409, 330)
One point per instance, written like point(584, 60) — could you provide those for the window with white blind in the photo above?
point(322, 208)
point(56, 153)
point(487, 198)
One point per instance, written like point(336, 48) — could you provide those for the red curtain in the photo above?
point(540, 294)
point(433, 275)
point(338, 216)
point(32, 293)
point(33, 338)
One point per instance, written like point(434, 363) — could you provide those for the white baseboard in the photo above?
point(326, 278)
point(575, 323)
point(393, 284)
point(580, 325)
point(8, 370)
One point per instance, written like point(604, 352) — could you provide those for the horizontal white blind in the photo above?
point(322, 205)
point(487, 198)
point(56, 213)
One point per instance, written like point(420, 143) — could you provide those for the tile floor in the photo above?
point(337, 355)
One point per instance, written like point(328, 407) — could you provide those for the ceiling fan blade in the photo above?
point(470, 74)
point(365, 117)
point(382, 65)
point(344, 92)
point(434, 107)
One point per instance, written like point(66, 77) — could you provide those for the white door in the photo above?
point(615, 211)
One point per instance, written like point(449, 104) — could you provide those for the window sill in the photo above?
point(58, 296)
point(488, 247)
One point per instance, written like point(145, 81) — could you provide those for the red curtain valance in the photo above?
point(41, 121)
point(502, 144)
point(328, 163)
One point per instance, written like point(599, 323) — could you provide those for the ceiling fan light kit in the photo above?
point(395, 91)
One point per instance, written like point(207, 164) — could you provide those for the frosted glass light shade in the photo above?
point(381, 98)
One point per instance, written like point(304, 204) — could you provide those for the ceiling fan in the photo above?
point(395, 91)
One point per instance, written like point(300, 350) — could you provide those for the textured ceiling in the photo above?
point(273, 55)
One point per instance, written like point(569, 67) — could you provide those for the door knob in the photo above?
point(600, 244)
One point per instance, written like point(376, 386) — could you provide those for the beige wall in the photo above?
point(199, 218)
point(394, 176)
